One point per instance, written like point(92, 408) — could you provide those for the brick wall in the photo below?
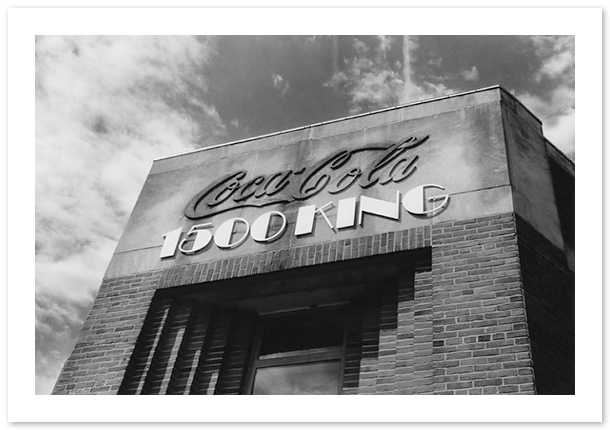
point(99, 360)
point(107, 339)
point(480, 337)
point(457, 324)
point(396, 334)
point(549, 298)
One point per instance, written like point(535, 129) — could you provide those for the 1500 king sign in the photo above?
point(391, 164)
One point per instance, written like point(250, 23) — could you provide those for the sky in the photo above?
point(106, 106)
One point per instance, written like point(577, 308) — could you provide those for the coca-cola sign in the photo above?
point(335, 173)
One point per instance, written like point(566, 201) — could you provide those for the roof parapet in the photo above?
point(401, 106)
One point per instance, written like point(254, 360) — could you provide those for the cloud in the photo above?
point(558, 56)
point(418, 90)
point(280, 84)
point(557, 64)
point(557, 113)
point(372, 81)
point(562, 133)
point(555, 106)
point(368, 78)
point(105, 108)
point(436, 61)
point(471, 75)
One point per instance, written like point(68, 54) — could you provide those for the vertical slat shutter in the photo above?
point(185, 349)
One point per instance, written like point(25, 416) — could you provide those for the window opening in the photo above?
point(301, 354)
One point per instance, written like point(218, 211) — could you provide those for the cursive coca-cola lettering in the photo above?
point(391, 165)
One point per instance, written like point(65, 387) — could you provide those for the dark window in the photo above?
point(300, 354)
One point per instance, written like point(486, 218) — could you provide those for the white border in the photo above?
point(24, 23)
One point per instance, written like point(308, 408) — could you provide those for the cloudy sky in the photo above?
point(107, 106)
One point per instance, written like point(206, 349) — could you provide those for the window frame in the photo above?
point(307, 356)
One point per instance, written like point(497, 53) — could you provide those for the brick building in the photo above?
point(422, 249)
